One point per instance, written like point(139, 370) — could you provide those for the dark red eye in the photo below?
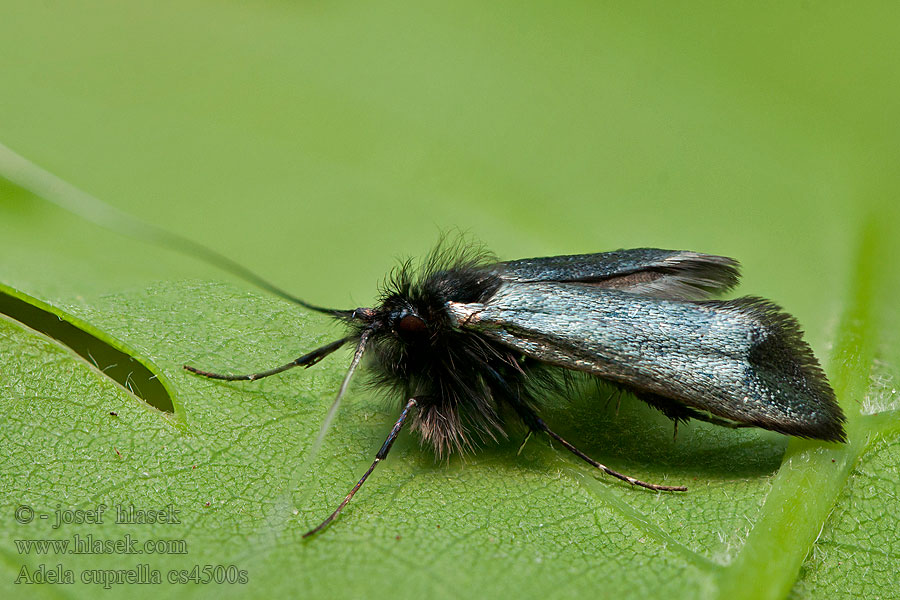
point(411, 326)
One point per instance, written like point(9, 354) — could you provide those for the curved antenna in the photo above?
point(44, 184)
point(329, 417)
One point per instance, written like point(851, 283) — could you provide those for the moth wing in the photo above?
point(652, 272)
point(743, 360)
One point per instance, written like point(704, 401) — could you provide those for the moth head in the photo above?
point(401, 320)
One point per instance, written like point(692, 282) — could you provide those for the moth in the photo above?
point(465, 342)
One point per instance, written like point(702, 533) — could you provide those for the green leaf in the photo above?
point(316, 144)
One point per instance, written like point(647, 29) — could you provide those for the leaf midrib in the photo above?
point(813, 474)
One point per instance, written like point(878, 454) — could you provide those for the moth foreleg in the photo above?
point(307, 360)
point(381, 455)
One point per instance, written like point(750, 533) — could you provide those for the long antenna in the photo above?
point(63, 194)
point(329, 417)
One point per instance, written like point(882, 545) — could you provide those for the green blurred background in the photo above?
point(319, 142)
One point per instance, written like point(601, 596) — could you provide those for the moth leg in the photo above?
point(532, 420)
point(381, 455)
point(650, 486)
point(307, 360)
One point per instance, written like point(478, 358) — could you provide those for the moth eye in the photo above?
point(411, 326)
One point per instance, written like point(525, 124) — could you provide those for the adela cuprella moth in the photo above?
point(464, 338)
